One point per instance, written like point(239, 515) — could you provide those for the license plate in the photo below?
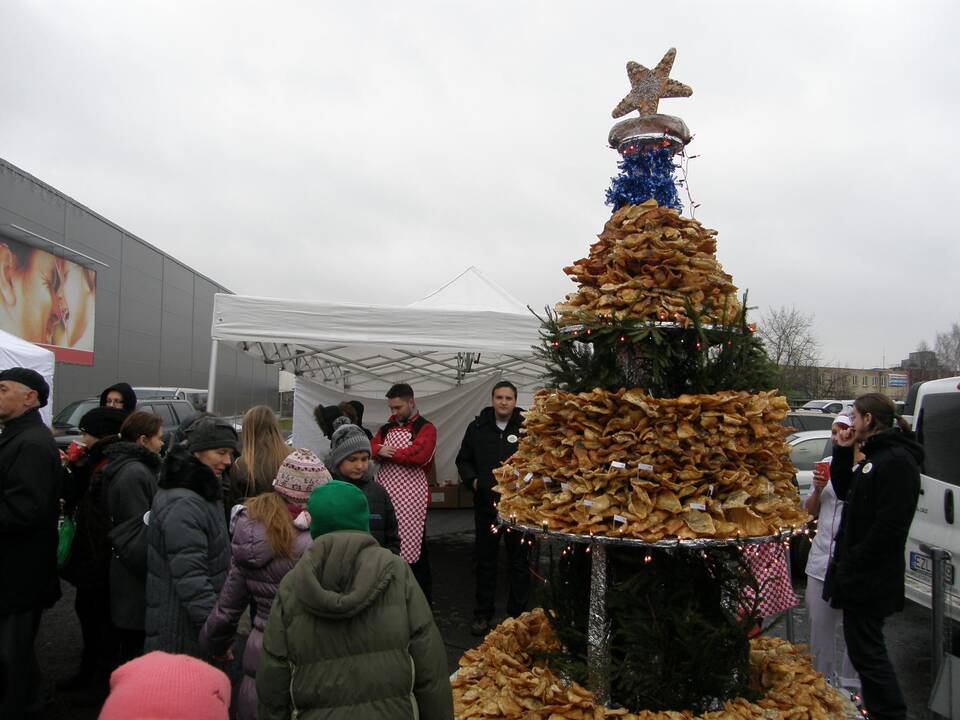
point(923, 564)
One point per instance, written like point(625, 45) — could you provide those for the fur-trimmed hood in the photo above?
point(120, 453)
point(182, 470)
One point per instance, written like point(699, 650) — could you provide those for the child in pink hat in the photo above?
point(168, 687)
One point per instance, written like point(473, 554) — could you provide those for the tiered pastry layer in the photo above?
point(502, 678)
point(628, 465)
point(648, 263)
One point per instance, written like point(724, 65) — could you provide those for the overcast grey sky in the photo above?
point(370, 151)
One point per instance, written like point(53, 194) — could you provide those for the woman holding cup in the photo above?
point(865, 577)
point(822, 503)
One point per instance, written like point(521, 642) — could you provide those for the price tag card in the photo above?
point(528, 477)
point(619, 519)
point(616, 464)
point(566, 486)
point(697, 506)
point(588, 503)
point(644, 467)
point(711, 489)
point(547, 480)
point(516, 472)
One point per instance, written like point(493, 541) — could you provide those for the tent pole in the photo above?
point(212, 377)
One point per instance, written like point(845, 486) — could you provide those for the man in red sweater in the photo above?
point(404, 448)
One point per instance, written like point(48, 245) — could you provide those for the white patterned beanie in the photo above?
point(299, 475)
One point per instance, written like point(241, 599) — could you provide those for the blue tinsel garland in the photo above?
point(645, 175)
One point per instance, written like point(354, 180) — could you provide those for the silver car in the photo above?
point(806, 448)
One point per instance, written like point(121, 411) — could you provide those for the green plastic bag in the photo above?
point(68, 528)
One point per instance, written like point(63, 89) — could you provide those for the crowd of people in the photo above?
point(182, 543)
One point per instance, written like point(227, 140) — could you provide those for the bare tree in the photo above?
point(923, 346)
point(948, 348)
point(787, 335)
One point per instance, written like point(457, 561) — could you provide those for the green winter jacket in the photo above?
point(351, 636)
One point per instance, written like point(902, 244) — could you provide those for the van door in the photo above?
point(937, 520)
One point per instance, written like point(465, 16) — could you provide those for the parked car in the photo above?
point(807, 448)
point(65, 422)
point(195, 396)
point(838, 406)
point(802, 421)
point(816, 405)
point(936, 420)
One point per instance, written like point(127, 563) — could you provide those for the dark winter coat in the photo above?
point(29, 509)
point(85, 499)
point(130, 479)
point(484, 448)
point(255, 573)
point(188, 554)
point(880, 497)
point(351, 636)
point(383, 518)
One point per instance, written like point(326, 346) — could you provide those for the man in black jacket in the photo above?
point(489, 440)
point(29, 492)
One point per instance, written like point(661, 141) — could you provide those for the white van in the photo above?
point(936, 421)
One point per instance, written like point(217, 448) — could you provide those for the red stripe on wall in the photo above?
point(70, 355)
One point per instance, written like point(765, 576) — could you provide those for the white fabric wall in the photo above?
point(15, 352)
point(451, 411)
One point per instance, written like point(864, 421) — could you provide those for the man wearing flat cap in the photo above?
point(29, 510)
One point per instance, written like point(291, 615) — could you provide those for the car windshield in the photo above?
point(939, 429)
point(71, 414)
point(815, 405)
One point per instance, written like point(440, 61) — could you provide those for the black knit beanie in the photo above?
point(102, 422)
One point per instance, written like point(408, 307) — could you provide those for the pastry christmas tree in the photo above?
point(656, 455)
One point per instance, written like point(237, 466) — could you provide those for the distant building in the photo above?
point(847, 383)
point(923, 365)
point(111, 306)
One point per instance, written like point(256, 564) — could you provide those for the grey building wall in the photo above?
point(153, 313)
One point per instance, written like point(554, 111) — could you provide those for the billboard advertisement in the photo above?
point(48, 300)
point(897, 380)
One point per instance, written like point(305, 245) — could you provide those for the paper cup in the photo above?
point(825, 465)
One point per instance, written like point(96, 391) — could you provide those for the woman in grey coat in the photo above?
point(188, 548)
point(130, 479)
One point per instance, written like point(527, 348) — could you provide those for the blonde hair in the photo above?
point(270, 510)
point(262, 449)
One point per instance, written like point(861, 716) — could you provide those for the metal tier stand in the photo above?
point(598, 626)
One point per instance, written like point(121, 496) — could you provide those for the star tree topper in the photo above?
point(648, 86)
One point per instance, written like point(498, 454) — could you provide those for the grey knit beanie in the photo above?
point(211, 432)
point(347, 439)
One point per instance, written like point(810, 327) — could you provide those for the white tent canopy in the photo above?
point(15, 352)
point(467, 330)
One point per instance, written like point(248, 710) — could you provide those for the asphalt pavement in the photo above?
point(450, 536)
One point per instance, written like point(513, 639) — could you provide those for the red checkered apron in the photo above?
point(769, 565)
point(407, 487)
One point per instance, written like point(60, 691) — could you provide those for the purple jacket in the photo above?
point(255, 573)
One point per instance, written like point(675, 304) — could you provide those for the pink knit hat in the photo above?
point(160, 686)
point(299, 474)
